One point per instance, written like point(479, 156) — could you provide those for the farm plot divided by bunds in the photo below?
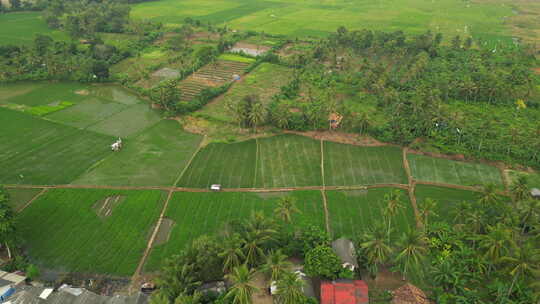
point(213, 74)
point(264, 82)
point(445, 171)
point(155, 157)
point(352, 212)
point(37, 151)
point(275, 162)
point(348, 165)
point(90, 230)
point(19, 197)
point(190, 215)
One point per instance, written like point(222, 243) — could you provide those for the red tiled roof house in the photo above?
point(344, 292)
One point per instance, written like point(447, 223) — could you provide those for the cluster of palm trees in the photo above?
point(486, 251)
point(243, 251)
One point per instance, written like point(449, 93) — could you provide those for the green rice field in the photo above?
point(154, 157)
point(128, 122)
point(352, 212)
point(231, 165)
point(195, 214)
point(22, 27)
point(296, 18)
point(273, 162)
point(36, 151)
point(348, 165)
point(62, 230)
point(441, 170)
point(19, 197)
point(288, 161)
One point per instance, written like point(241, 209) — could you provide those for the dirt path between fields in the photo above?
point(137, 275)
point(411, 188)
point(33, 199)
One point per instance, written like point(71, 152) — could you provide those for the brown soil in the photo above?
point(341, 137)
point(104, 207)
point(82, 92)
point(204, 36)
point(385, 280)
point(261, 296)
point(537, 70)
point(164, 231)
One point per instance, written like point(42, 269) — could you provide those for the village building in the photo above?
point(335, 120)
point(535, 193)
point(409, 294)
point(344, 292)
point(69, 295)
point(344, 249)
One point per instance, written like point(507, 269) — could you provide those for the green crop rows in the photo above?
point(35, 151)
point(155, 157)
point(18, 198)
point(353, 165)
point(62, 230)
point(196, 214)
point(352, 212)
point(446, 199)
point(440, 170)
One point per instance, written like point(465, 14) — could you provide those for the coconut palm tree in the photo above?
point(376, 248)
point(412, 249)
point(176, 278)
point(524, 263)
point(496, 243)
point(290, 289)
point(489, 195)
point(426, 208)
point(275, 265)
point(242, 287)
point(231, 253)
point(195, 298)
point(253, 244)
point(529, 213)
point(256, 115)
point(393, 204)
point(286, 208)
point(520, 189)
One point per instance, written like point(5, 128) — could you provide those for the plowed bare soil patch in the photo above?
point(164, 232)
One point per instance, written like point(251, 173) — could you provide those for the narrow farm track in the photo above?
point(33, 199)
point(136, 275)
point(326, 214)
point(411, 188)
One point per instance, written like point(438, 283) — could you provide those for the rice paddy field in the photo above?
point(264, 82)
point(273, 162)
point(53, 154)
point(348, 165)
point(21, 28)
point(19, 197)
point(154, 157)
point(351, 212)
point(195, 214)
point(295, 18)
point(63, 229)
point(231, 165)
point(441, 170)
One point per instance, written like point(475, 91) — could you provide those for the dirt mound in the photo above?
point(82, 92)
point(341, 137)
point(250, 49)
point(104, 207)
point(164, 231)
